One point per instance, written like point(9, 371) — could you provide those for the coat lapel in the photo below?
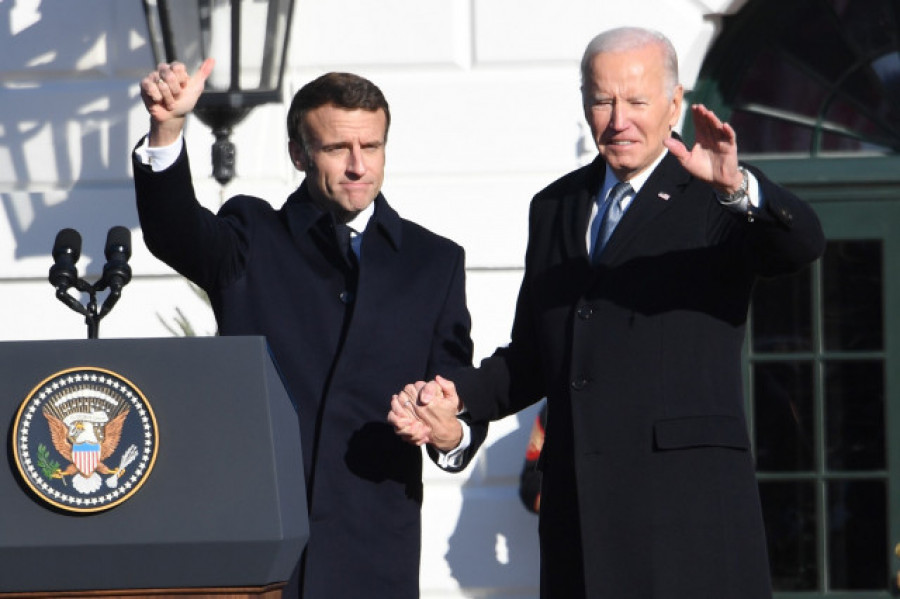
point(577, 208)
point(663, 189)
point(379, 273)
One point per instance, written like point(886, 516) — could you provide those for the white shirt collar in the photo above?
point(361, 219)
point(636, 181)
point(609, 181)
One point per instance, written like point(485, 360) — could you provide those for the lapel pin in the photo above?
point(663, 196)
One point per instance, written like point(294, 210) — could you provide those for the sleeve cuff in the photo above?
point(750, 204)
point(454, 457)
point(159, 158)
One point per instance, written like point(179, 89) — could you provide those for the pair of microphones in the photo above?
point(116, 273)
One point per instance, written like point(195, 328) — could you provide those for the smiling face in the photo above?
point(629, 109)
point(343, 158)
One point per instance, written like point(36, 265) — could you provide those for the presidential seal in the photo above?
point(85, 439)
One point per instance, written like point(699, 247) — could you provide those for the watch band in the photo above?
point(741, 191)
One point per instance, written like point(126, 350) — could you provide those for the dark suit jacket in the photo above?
point(649, 487)
point(343, 348)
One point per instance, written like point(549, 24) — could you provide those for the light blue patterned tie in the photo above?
point(612, 214)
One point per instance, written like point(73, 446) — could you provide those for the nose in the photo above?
point(618, 118)
point(355, 163)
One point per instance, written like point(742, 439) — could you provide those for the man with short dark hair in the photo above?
point(317, 278)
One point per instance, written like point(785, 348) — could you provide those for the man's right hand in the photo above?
point(426, 413)
point(438, 407)
point(169, 94)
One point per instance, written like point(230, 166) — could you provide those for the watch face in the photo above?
point(741, 192)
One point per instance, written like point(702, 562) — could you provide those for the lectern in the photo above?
point(148, 468)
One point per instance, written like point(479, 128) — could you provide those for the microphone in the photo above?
point(66, 252)
point(116, 272)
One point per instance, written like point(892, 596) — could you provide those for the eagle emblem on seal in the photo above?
point(85, 439)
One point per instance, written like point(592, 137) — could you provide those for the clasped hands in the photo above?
point(426, 413)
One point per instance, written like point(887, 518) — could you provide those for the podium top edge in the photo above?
point(225, 339)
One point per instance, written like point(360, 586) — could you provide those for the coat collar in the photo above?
point(301, 213)
point(663, 189)
point(577, 209)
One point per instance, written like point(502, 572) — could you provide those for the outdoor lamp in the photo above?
point(247, 38)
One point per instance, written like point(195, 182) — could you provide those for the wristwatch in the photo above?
point(741, 192)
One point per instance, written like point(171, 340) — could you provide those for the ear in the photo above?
point(677, 97)
point(298, 156)
point(585, 109)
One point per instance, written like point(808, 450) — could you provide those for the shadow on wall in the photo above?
point(493, 552)
point(64, 147)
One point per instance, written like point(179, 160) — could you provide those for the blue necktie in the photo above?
point(345, 243)
point(612, 211)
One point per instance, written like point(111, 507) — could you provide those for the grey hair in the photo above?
point(631, 38)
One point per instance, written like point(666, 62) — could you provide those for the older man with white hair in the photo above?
point(630, 320)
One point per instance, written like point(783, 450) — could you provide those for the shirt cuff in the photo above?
point(159, 158)
point(749, 205)
point(454, 457)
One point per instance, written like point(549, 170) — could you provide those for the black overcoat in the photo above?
point(344, 347)
point(649, 489)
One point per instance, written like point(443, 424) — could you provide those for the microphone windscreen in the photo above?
point(68, 241)
point(118, 240)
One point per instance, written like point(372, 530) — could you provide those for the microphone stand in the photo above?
point(116, 274)
point(92, 316)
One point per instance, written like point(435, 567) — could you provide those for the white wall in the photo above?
point(485, 105)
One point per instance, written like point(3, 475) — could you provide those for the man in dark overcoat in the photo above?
point(630, 319)
point(316, 278)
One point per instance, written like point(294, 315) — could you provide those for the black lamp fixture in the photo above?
point(248, 39)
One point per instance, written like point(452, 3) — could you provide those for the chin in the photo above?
point(618, 165)
point(359, 206)
point(619, 156)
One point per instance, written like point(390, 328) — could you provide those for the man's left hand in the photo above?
point(714, 157)
point(426, 413)
point(403, 418)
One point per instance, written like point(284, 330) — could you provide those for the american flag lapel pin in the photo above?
point(663, 196)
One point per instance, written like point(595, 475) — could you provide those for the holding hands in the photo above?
point(426, 413)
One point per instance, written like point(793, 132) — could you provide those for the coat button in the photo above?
point(786, 216)
point(346, 297)
point(585, 312)
point(579, 383)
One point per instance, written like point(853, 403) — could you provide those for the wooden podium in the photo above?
point(221, 512)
